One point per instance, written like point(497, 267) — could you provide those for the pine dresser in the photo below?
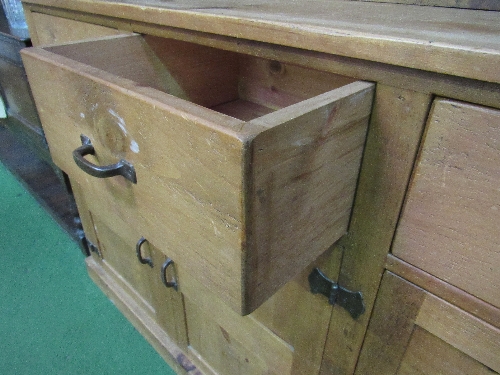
point(280, 188)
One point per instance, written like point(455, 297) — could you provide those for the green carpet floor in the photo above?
point(53, 319)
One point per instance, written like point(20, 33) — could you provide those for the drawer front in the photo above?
point(415, 332)
point(189, 177)
point(449, 225)
point(232, 199)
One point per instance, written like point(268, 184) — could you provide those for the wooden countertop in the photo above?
point(459, 42)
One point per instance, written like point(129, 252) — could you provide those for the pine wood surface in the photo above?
point(449, 225)
point(415, 332)
point(465, 332)
point(396, 127)
point(59, 30)
point(443, 40)
point(174, 355)
point(441, 289)
point(426, 82)
point(202, 174)
point(427, 354)
point(465, 4)
point(392, 144)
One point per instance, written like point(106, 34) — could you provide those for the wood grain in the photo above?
point(462, 4)
point(449, 225)
point(415, 332)
point(229, 343)
point(394, 132)
point(441, 289)
point(47, 30)
point(301, 318)
point(168, 302)
point(447, 41)
point(396, 76)
point(198, 171)
point(426, 354)
point(143, 322)
point(465, 332)
point(302, 185)
point(294, 315)
point(390, 330)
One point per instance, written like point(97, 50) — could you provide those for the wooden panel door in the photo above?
point(113, 245)
point(285, 336)
point(414, 332)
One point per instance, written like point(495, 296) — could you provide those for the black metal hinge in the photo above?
point(337, 295)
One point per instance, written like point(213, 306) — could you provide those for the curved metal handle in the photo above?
point(147, 260)
point(122, 168)
point(169, 284)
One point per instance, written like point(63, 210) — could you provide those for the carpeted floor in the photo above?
point(53, 319)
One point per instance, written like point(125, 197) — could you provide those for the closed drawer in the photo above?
point(246, 168)
point(449, 225)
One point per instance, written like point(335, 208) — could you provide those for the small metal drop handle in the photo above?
point(169, 284)
point(122, 168)
point(148, 260)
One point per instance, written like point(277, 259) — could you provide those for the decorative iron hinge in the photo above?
point(337, 295)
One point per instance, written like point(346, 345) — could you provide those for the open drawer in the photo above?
point(245, 168)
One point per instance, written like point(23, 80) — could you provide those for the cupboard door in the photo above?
point(114, 250)
point(168, 302)
point(414, 332)
point(117, 247)
point(449, 224)
point(286, 335)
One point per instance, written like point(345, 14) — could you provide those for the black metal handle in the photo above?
point(147, 260)
point(122, 168)
point(169, 284)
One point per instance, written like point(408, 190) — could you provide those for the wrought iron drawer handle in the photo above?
point(122, 168)
point(147, 260)
point(169, 284)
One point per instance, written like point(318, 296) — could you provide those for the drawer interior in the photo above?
point(242, 86)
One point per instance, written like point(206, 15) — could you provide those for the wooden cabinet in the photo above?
point(446, 243)
point(264, 147)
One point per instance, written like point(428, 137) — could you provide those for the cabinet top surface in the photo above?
point(452, 41)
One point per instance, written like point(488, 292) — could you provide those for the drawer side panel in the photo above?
point(304, 173)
